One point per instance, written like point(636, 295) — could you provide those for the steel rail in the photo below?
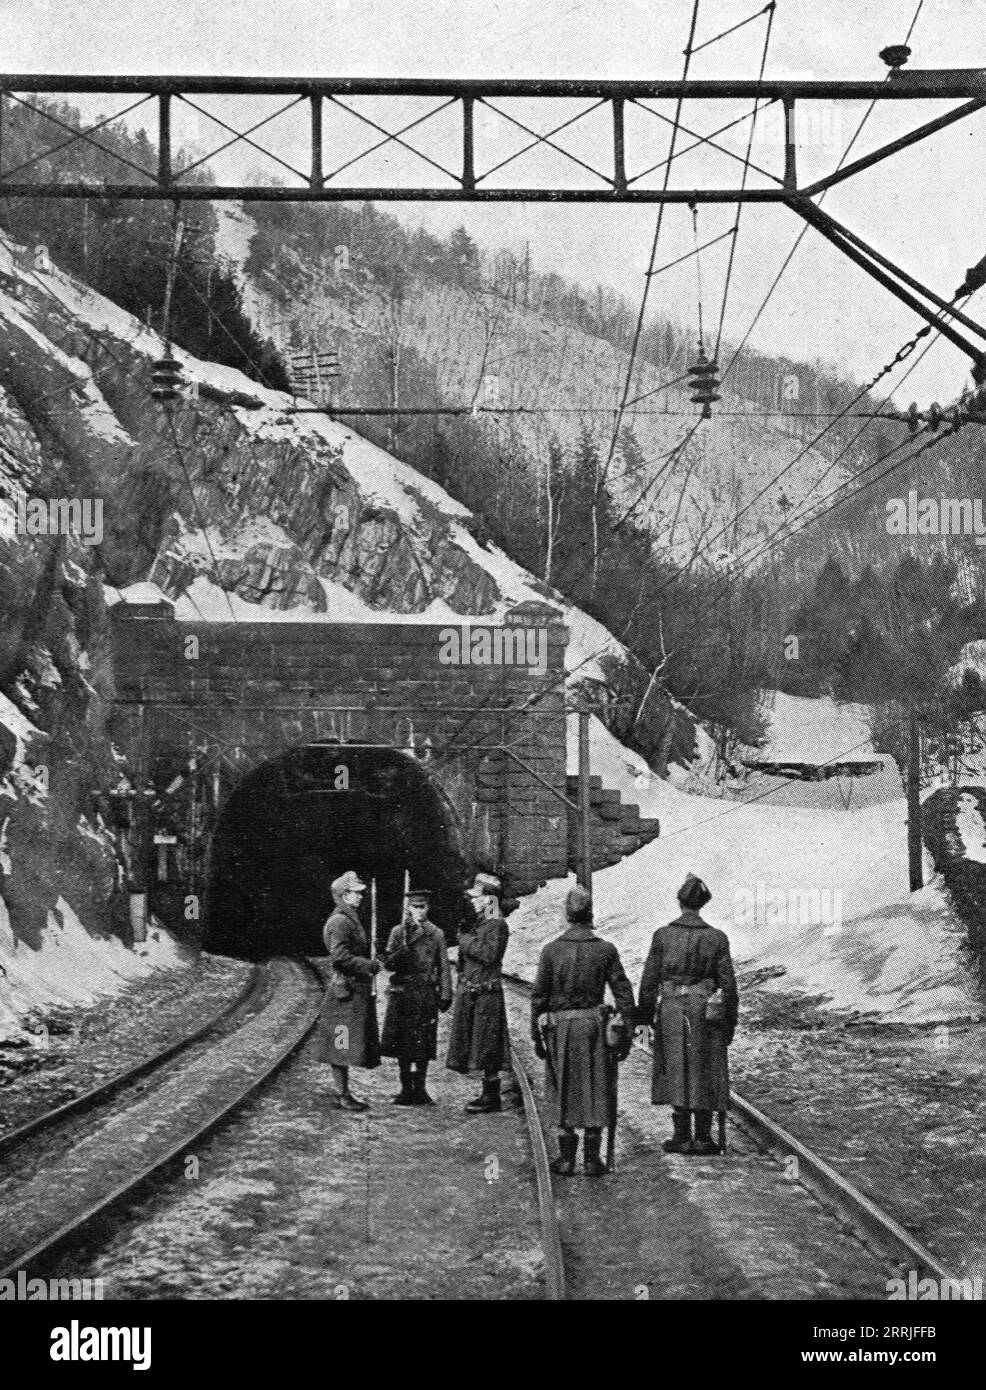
point(554, 1261)
point(91, 1098)
point(77, 1225)
point(837, 1192)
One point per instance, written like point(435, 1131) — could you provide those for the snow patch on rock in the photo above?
point(72, 968)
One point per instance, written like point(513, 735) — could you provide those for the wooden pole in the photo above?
point(141, 832)
point(914, 855)
point(585, 825)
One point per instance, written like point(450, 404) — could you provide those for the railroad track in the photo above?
point(138, 1123)
point(105, 1091)
point(885, 1237)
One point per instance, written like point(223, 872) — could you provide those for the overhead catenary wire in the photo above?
point(769, 10)
point(759, 313)
point(776, 540)
point(800, 237)
point(741, 25)
point(698, 275)
point(901, 356)
point(639, 325)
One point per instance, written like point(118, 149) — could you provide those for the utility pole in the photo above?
point(914, 844)
point(585, 824)
point(177, 234)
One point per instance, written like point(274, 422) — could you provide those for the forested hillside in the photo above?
point(701, 545)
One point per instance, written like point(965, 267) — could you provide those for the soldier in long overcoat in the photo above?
point(568, 1026)
point(688, 995)
point(420, 988)
point(347, 1025)
point(478, 1035)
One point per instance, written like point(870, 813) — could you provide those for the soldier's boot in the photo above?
point(347, 1101)
point(341, 1097)
point(592, 1165)
point(405, 1095)
point(681, 1141)
point(421, 1096)
point(568, 1147)
point(703, 1143)
point(489, 1102)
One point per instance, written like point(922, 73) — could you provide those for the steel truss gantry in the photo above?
point(466, 182)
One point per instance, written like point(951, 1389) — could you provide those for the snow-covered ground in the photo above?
point(814, 731)
point(72, 967)
point(820, 892)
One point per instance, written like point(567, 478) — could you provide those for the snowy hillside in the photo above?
point(227, 504)
point(821, 893)
point(517, 357)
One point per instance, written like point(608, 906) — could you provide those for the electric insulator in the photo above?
point(895, 55)
point(704, 382)
point(165, 379)
point(934, 416)
point(913, 418)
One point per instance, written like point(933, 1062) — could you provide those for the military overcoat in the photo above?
point(478, 1035)
point(421, 982)
point(569, 990)
point(347, 1026)
point(688, 961)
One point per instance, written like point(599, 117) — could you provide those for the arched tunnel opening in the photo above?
point(298, 822)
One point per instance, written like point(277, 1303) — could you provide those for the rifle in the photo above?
point(722, 1131)
point(373, 933)
point(612, 1023)
point(614, 1082)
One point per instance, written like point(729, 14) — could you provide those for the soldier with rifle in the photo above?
point(478, 1035)
point(347, 1026)
point(570, 1023)
point(688, 996)
point(420, 988)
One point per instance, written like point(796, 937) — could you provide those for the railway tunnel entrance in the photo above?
point(298, 821)
point(262, 759)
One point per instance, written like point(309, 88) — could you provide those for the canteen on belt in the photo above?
point(715, 1007)
point(616, 1030)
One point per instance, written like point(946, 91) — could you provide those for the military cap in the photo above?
point(578, 904)
point(349, 882)
point(419, 897)
point(693, 893)
point(485, 886)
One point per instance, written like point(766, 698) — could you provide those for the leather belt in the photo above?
point(698, 987)
point(554, 1015)
point(488, 988)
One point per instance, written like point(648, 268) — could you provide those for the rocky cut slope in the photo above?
point(227, 503)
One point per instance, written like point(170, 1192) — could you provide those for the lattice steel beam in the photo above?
point(458, 177)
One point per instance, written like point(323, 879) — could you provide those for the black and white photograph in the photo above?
point(493, 668)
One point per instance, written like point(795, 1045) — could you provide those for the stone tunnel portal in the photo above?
point(298, 821)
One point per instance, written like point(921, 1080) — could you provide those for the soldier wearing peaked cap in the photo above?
point(420, 988)
point(478, 1035)
point(347, 1026)
point(568, 1025)
point(688, 995)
